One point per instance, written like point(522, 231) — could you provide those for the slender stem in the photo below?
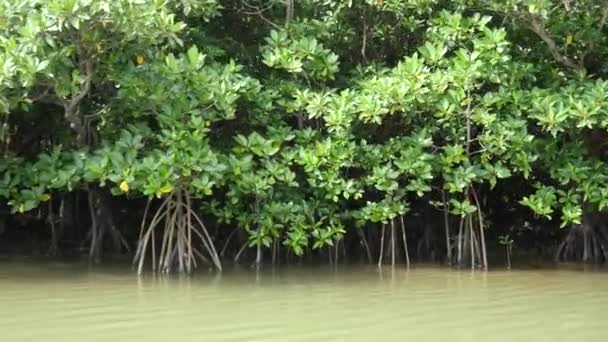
point(405, 250)
point(381, 246)
point(93, 246)
point(143, 220)
point(446, 223)
point(172, 226)
point(460, 227)
point(274, 251)
point(163, 245)
point(364, 38)
point(365, 245)
point(471, 241)
point(122, 242)
point(258, 252)
point(190, 253)
point(201, 256)
point(476, 243)
point(393, 242)
point(238, 254)
point(228, 241)
point(484, 253)
point(180, 243)
point(336, 250)
point(465, 240)
point(207, 241)
point(153, 243)
point(160, 214)
point(258, 255)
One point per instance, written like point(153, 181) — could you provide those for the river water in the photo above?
point(56, 302)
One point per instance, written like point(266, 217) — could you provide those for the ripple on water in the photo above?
point(66, 303)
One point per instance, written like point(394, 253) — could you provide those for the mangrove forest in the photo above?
point(185, 134)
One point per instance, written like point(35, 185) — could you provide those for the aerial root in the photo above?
point(182, 229)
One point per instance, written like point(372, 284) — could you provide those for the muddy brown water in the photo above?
point(66, 302)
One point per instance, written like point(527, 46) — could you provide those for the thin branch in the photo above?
point(43, 96)
point(257, 11)
point(85, 89)
point(223, 250)
point(256, 8)
point(71, 106)
point(364, 42)
point(536, 24)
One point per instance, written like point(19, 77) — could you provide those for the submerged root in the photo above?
point(182, 229)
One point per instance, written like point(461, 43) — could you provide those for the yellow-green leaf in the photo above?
point(166, 188)
point(124, 186)
point(45, 197)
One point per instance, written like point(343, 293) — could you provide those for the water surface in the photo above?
point(55, 302)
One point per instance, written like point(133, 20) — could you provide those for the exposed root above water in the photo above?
point(184, 239)
point(583, 243)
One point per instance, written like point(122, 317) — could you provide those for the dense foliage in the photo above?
point(303, 124)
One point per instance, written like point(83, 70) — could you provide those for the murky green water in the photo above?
point(51, 302)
